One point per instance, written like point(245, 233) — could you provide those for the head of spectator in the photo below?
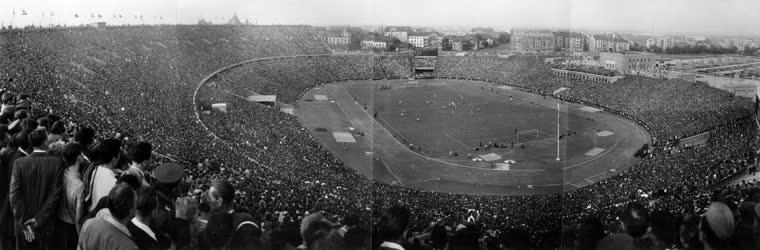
point(247, 235)
point(85, 136)
point(37, 139)
point(220, 196)
point(351, 220)
point(590, 231)
point(19, 143)
point(635, 220)
point(20, 114)
point(70, 154)
point(8, 98)
point(44, 123)
point(58, 128)
point(147, 201)
point(23, 102)
point(314, 228)
point(121, 203)
point(139, 153)
point(130, 180)
point(107, 153)
point(168, 176)
point(716, 226)
point(28, 124)
point(393, 224)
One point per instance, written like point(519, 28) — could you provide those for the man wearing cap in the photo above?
point(716, 226)
point(167, 176)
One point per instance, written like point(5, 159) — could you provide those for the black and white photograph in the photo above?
point(379, 124)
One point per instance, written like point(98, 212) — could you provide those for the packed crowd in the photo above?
point(586, 69)
point(281, 174)
point(669, 109)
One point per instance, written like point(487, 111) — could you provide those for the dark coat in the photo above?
point(145, 242)
point(36, 190)
point(6, 215)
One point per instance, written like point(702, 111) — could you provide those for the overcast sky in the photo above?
point(739, 17)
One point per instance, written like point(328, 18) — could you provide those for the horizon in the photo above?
point(699, 17)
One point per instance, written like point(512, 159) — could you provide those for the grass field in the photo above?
point(424, 134)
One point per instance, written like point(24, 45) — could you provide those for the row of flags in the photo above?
point(92, 15)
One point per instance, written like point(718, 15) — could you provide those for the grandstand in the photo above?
point(424, 63)
point(152, 83)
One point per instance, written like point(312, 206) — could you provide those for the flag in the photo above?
point(76, 15)
point(23, 12)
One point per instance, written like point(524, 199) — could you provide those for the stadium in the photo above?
point(295, 127)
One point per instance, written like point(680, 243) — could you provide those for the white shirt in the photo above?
point(391, 245)
point(102, 182)
point(144, 227)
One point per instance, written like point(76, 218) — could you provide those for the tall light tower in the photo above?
point(558, 112)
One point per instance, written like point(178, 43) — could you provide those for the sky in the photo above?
point(705, 17)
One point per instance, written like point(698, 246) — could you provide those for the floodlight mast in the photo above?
point(558, 112)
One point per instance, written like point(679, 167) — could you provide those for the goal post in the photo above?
point(527, 135)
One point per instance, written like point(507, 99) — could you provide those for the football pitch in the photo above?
point(467, 137)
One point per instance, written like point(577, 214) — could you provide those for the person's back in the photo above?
point(439, 236)
point(100, 233)
point(111, 232)
point(6, 216)
point(41, 171)
point(36, 190)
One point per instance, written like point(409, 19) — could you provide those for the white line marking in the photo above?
point(459, 142)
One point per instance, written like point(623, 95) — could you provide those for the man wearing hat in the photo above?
point(167, 179)
point(716, 226)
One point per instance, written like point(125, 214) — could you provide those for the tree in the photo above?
point(467, 45)
point(446, 44)
point(484, 44)
point(637, 47)
point(750, 50)
point(394, 44)
point(503, 38)
point(356, 42)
